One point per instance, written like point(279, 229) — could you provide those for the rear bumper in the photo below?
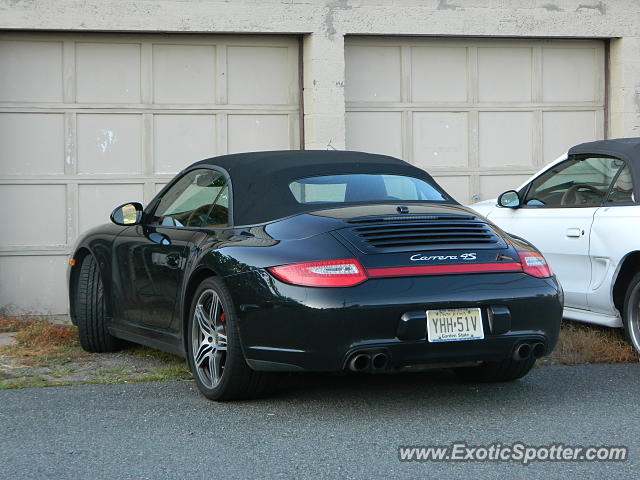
point(290, 328)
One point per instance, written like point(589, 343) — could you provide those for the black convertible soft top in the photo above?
point(627, 149)
point(260, 180)
point(623, 148)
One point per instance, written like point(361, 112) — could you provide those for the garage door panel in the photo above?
point(440, 139)
point(504, 74)
point(33, 215)
point(179, 140)
point(456, 186)
point(43, 278)
point(184, 74)
point(96, 202)
point(438, 74)
point(493, 185)
point(258, 75)
point(40, 62)
point(570, 75)
point(506, 139)
point(372, 73)
point(376, 132)
point(250, 133)
point(476, 106)
point(108, 73)
point(562, 130)
point(109, 143)
point(91, 121)
point(31, 143)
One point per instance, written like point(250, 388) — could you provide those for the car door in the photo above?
point(556, 215)
point(613, 236)
point(152, 257)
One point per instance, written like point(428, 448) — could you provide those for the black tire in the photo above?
point(631, 313)
point(500, 371)
point(90, 310)
point(237, 380)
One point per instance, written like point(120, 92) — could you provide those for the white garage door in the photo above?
point(91, 121)
point(479, 115)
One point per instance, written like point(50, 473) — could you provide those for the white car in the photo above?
point(581, 212)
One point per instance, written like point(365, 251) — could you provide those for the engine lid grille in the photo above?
point(421, 232)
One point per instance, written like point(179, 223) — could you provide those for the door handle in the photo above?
point(574, 232)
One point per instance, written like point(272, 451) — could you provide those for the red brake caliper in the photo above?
point(222, 317)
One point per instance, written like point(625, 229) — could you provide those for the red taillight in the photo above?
point(534, 264)
point(348, 272)
point(323, 273)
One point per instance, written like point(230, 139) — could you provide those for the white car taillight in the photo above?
point(534, 264)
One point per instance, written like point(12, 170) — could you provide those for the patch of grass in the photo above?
point(62, 372)
point(42, 334)
point(25, 381)
point(147, 352)
point(178, 371)
point(14, 324)
point(50, 355)
point(116, 371)
point(114, 375)
point(39, 342)
point(582, 343)
point(167, 373)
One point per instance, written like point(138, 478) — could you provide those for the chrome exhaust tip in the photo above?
point(359, 362)
point(379, 361)
point(523, 351)
point(539, 349)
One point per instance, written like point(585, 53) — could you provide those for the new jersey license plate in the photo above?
point(454, 325)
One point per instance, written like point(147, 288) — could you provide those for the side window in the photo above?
point(199, 199)
point(622, 189)
point(577, 182)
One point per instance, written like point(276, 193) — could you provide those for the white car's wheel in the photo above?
point(631, 312)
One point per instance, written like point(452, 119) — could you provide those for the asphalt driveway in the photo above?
point(319, 427)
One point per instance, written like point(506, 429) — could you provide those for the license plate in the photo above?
point(454, 325)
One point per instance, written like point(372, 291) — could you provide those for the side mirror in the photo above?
point(509, 199)
point(127, 214)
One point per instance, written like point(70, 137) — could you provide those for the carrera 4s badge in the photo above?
point(419, 257)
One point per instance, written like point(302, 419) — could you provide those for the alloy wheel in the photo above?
point(209, 338)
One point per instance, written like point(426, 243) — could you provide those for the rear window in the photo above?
point(363, 188)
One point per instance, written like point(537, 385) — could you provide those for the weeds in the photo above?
point(582, 343)
point(13, 324)
point(44, 335)
point(45, 354)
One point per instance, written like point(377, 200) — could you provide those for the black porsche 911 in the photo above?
point(252, 264)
